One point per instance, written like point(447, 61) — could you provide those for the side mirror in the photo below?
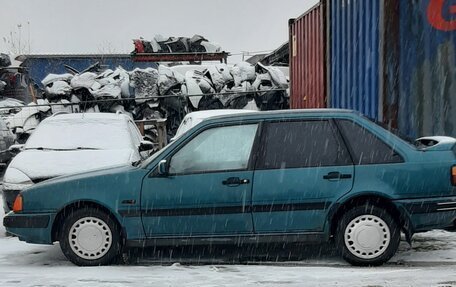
point(16, 148)
point(145, 146)
point(163, 167)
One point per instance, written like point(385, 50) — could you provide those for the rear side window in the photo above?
point(367, 148)
point(301, 144)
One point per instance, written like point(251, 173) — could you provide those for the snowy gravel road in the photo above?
point(431, 262)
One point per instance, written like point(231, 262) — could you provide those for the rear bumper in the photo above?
point(31, 228)
point(430, 213)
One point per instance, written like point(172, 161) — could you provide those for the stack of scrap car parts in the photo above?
point(6, 140)
point(164, 93)
point(5, 60)
point(160, 44)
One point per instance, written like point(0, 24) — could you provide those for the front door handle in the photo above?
point(235, 181)
point(335, 175)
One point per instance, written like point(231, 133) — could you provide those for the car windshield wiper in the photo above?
point(62, 149)
point(40, 148)
point(90, 148)
point(136, 163)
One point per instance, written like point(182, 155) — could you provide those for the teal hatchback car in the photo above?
point(285, 176)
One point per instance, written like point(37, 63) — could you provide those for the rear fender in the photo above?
point(381, 200)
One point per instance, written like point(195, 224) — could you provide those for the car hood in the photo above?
point(37, 164)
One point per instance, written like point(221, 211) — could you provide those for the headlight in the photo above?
point(15, 179)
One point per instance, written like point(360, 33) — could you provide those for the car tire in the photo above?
point(367, 236)
point(90, 237)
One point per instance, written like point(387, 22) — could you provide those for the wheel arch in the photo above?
point(64, 212)
point(382, 201)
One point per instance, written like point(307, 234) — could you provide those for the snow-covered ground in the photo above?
point(431, 262)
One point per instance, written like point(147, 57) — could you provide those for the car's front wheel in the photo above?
point(90, 237)
point(367, 235)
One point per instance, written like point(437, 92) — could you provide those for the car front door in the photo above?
point(302, 167)
point(207, 190)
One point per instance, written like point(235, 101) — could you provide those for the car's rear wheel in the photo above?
point(90, 237)
point(367, 235)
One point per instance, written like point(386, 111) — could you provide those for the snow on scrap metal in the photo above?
point(177, 49)
point(160, 44)
point(150, 94)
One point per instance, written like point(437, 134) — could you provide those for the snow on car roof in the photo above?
point(88, 130)
point(85, 116)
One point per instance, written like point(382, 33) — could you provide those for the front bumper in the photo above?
point(10, 192)
point(8, 199)
point(31, 228)
point(430, 213)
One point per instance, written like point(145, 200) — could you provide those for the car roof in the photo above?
point(88, 116)
point(286, 114)
point(220, 112)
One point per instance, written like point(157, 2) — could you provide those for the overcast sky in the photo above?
point(94, 26)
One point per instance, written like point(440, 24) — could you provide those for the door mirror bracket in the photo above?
point(163, 168)
point(145, 146)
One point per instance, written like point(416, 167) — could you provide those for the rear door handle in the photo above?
point(335, 175)
point(235, 181)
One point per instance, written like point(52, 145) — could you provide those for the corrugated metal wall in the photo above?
point(39, 67)
point(427, 101)
point(307, 60)
point(355, 55)
point(394, 61)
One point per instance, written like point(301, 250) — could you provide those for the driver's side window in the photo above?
point(216, 149)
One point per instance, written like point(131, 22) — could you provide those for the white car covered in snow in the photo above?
point(71, 143)
point(194, 118)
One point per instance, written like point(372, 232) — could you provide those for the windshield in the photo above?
point(68, 134)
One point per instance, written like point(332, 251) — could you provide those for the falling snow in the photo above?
point(431, 262)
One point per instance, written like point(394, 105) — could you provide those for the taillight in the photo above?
point(17, 205)
point(453, 175)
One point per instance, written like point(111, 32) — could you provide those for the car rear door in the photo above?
point(208, 188)
point(302, 167)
